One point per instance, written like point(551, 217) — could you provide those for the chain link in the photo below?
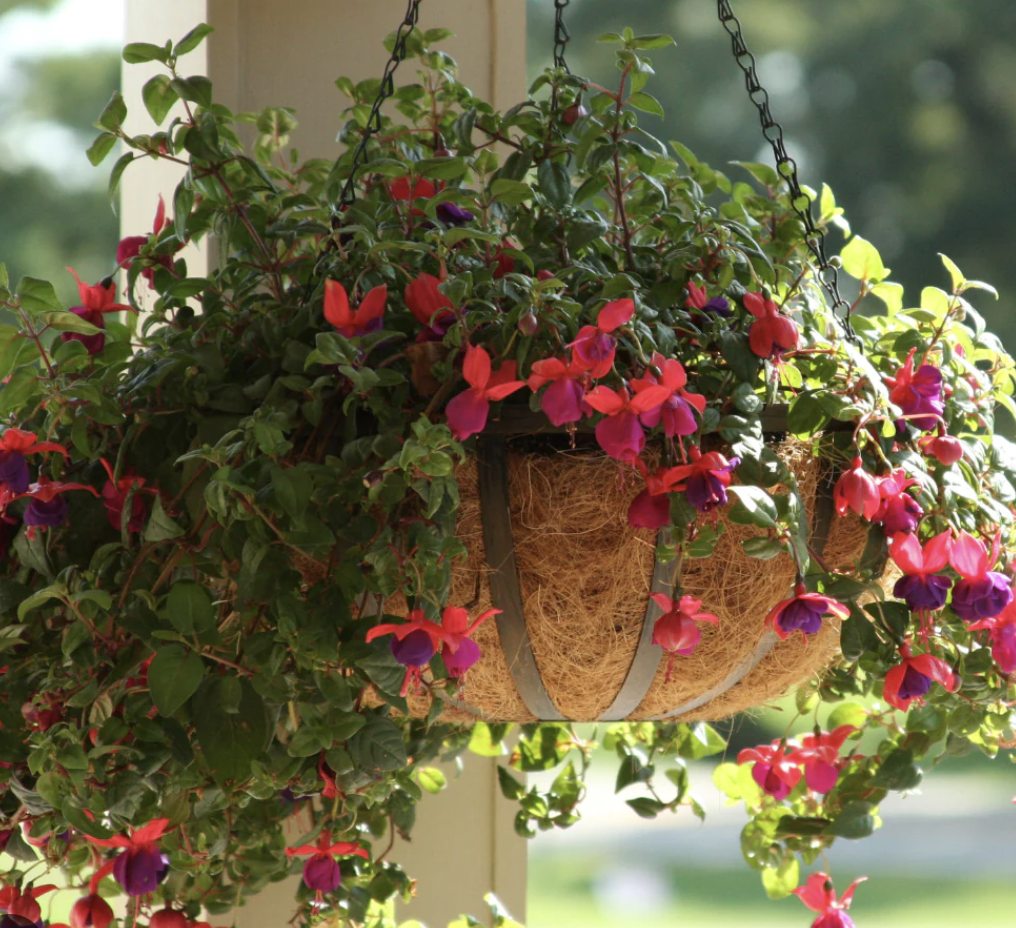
point(785, 165)
point(561, 34)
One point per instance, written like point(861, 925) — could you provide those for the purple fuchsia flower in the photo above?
point(594, 345)
point(922, 587)
point(911, 679)
point(775, 773)
point(467, 412)
point(803, 612)
point(771, 334)
point(858, 491)
point(321, 873)
point(982, 593)
point(820, 756)
point(459, 652)
point(1003, 637)
point(46, 507)
point(676, 630)
point(819, 896)
point(453, 215)
point(705, 480)
point(563, 402)
point(898, 511)
point(620, 434)
point(676, 412)
point(918, 393)
point(141, 866)
point(698, 299)
point(15, 444)
point(351, 324)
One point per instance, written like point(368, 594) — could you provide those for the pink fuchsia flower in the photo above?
point(675, 412)
point(705, 480)
point(819, 896)
point(96, 300)
point(366, 318)
point(922, 587)
point(898, 511)
point(803, 612)
point(459, 652)
point(114, 497)
point(620, 434)
point(432, 309)
point(774, 772)
point(563, 402)
point(141, 867)
point(820, 755)
point(321, 873)
point(698, 299)
point(467, 412)
point(130, 247)
point(1002, 628)
point(858, 491)
point(918, 393)
point(946, 449)
point(911, 679)
point(594, 345)
point(981, 593)
point(677, 631)
point(651, 507)
point(771, 334)
point(15, 444)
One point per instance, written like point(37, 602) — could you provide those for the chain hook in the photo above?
point(561, 34)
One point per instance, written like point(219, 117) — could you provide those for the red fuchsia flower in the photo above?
point(130, 247)
point(918, 393)
point(15, 444)
point(91, 911)
point(503, 262)
point(114, 498)
point(771, 334)
point(981, 593)
point(168, 917)
point(331, 789)
point(1002, 628)
point(563, 402)
point(858, 491)
point(46, 508)
point(432, 309)
point(675, 412)
point(467, 412)
point(142, 866)
point(819, 896)
point(698, 299)
point(676, 630)
point(705, 480)
point(366, 318)
point(97, 300)
point(414, 643)
point(594, 345)
point(21, 905)
point(651, 508)
point(820, 755)
point(401, 189)
point(911, 679)
point(922, 587)
point(946, 449)
point(775, 773)
point(898, 511)
point(803, 612)
point(620, 434)
point(459, 652)
point(321, 873)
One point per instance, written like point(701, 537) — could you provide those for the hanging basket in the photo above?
point(549, 544)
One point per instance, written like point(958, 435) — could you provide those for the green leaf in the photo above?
point(763, 173)
point(862, 261)
point(647, 103)
point(173, 677)
point(140, 52)
point(753, 507)
point(487, 740)
point(510, 192)
point(195, 89)
point(658, 40)
point(159, 97)
point(441, 168)
point(37, 296)
point(645, 807)
point(555, 184)
point(898, 772)
point(20, 387)
point(856, 820)
point(117, 173)
point(115, 112)
point(101, 147)
point(160, 526)
point(378, 745)
point(68, 322)
point(736, 351)
point(230, 741)
point(847, 713)
point(189, 608)
point(779, 882)
point(37, 599)
point(192, 39)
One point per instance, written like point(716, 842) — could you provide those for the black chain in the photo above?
point(785, 165)
point(561, 34)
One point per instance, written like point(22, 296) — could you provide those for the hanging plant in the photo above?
point(538, 404)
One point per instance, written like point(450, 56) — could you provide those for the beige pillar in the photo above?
point(270, 52)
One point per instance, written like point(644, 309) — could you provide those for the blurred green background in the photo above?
point(907, 108)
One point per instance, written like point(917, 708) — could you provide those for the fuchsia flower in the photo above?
point(771, 334)
point(92, 911)
point(350, 324)
point(432, 309)
point(774, 772)
point(594, 345)
point(820, 755)
point(676, 630)
point(705, 480)
point(922, 587)
point(130, 247)
point(114, 498)
point(421, 188)
point(819, 896)
point(1002, 628)
point(698, 299)
point(918, 393)
point(15, 444)
point(142, 866)
point(46, 507)
point(675, 412)
point(803, 613)
point(620, 434)
point(21, 906)
point(946, 449)
point(898, 511)
point(467, 412)
point(459, 652)
point(97, 300)
point(651, 508)
point(563, 401)
point(982, 593)
point(911, 679)
point(858, 491)
point(321, 873)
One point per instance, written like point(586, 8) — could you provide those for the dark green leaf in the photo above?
point(192, 39)
point(173, 677)
point(230, 741)
point(159, 97)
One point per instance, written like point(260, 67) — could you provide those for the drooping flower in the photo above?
point(918, 393)
point(459, 652)
point(819, 753)
point(651, 507)
point(819, 896)
point(705, 479)
point(15, 444)
point(981, 593)
point(321, 873)
point(1002, 628)
point(773, 771)
point(21, 906)
point(421, 188)
point(366, 318)
point(114, 498)
point(803, 612)
point(676, 631)
point(96, 301)
point(46, 508)
point(451, 214)
point(432, 309)
point(922, 587)
point(698, 299)
point(141, 867)
point(675, 412)
point(562, 402)
point(771, 334)
point(503, 262)
point(912, 678)
point(168, 917)
point(467, 411)
point(858, 491)
point(946, 449)
point(594, 345)
point(898, 511)
point(130, 247)
point(620, 434)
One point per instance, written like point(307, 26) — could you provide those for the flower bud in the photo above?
point(573, 114)
point(946, 449)
point(91, 911)
point(168, 918)
point(528, 323)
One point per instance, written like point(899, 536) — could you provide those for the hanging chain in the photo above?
point(561, 34)
point(785, 165)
